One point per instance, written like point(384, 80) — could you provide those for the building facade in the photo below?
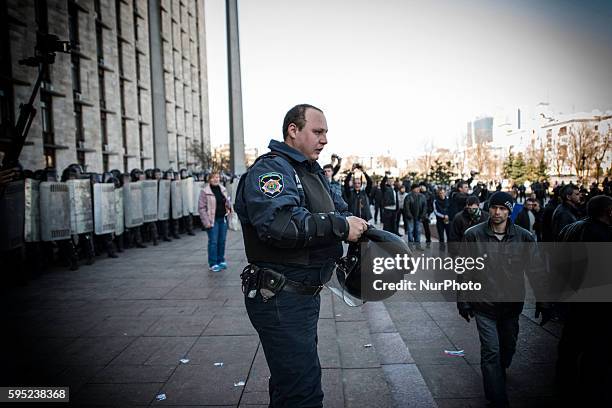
point(96, 104)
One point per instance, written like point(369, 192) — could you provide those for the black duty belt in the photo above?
point(269, 282)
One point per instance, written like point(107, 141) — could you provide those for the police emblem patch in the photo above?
point(271, 184)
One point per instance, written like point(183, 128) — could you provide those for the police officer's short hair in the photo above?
point(296, 115)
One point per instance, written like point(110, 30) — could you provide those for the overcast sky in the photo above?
point(392, 74)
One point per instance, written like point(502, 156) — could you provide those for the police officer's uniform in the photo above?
point(294, 224)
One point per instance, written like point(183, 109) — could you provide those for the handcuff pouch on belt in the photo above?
point(267, 281)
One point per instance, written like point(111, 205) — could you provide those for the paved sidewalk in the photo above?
point(115, 332)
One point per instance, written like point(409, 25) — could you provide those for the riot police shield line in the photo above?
point(132, 204)
point(120, 224)
point(187, 192)
point(176, 199)
point(105, 213)
point(54, 211)
point(12, 212)
point(163, 200)
point(81, 211)
point(197, 189)
point(149, 200)
point(32, 211)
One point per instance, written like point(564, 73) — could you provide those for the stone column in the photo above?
point(158, 94)
point(235, 89)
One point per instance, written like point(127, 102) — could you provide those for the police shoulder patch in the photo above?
point(271, 184)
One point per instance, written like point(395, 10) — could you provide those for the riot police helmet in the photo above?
point(136, 174)
point(355, 272)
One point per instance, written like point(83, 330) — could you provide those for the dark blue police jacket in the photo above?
point(272, 184)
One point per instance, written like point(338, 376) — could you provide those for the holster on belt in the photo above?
point(269, 282)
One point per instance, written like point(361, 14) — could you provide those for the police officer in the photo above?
point(293, 227)
point(133, 237)
point(162, 225)
point(69, 250)
point(187, 220)
point(150, 228)
point(173, 223)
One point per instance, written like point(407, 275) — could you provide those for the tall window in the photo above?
point(46, 102)
point(7, 114)
point(73, 29)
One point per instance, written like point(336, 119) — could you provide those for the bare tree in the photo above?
point(481, 156)
point(201, 156)
point(587, 149)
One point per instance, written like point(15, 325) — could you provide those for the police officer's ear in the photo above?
point(292, 130)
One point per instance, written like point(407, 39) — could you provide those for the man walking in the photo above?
point(498, 320)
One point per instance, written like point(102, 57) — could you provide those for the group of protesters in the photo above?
point(469, 212)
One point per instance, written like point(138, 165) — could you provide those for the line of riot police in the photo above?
point(48, 219)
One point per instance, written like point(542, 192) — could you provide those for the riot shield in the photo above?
point(12, 216)
point(198, 186)
point(54, 211)
point(81, 211)
point(32, 211)
point(149, 200)
point(105, 214)
point(119, 224)
point(132, 204)
point(176, 198)
point(163, 200)
point(187, 190)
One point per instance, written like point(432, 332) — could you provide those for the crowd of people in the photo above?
point(27, 257)
point(469, 212)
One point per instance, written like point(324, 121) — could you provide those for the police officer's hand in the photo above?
point(357, 226)
point(465, 310)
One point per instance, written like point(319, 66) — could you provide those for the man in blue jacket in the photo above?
point(293, 226)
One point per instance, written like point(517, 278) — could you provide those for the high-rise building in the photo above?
point(99, 105)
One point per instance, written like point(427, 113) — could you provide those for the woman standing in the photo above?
point(213, 206)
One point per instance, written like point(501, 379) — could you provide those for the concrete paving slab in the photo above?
point(366, 388)
point(451, 381)
point(408, 389)
point(194, 384)
point(116, 394)
point(179, 325)
point(155, 350)
point(128, 374)
point(352, 337)
point(231, 350)
point(95, 350)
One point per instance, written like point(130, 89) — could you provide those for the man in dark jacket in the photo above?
point(440, 206)
point(582, 375)
point(526, 218)
point(415, 210)
point(357, 197)
point(376, 199)
point(547, 213)
point(497, 318)
point(429, 200)
point(457, 198)
point(566, 212)
point(389, 204)
point(471, 215)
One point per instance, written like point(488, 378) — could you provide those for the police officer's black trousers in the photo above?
point(287, 328)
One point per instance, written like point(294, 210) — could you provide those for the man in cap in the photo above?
point(497, 318)
point(293, 225)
